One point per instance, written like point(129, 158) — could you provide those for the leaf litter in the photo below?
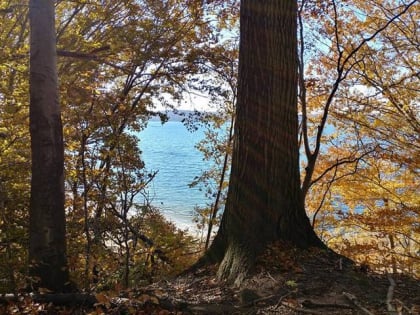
point(284, 281)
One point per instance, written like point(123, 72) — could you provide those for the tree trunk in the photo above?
point(47, 243)
point(215, 208)
point(264, 201)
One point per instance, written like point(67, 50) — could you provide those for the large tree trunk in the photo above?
point(47, 244)
point(264, 201)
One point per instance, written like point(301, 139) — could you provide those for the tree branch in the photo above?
point(354, 301)
point(342, 73)
point(342, 162)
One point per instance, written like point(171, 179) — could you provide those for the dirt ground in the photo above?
point(286, 281)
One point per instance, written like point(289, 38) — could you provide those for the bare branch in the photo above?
point(355, 302)
point(389, 296)
point(330, 182)
point(342, 162)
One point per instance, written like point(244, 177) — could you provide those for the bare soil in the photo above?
point(284, 281)
point(288, 281)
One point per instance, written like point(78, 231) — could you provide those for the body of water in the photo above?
point(169, 149)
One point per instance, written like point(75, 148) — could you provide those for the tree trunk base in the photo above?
point(236, 264)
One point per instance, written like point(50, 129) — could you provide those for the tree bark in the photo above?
point(47, 243)
point(264, 201)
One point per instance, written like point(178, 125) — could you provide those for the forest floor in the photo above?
point(284, 281)
point(287, 281)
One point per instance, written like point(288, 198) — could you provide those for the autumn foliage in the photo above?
point(118, 61)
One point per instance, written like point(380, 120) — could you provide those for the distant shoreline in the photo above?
point(177, 115)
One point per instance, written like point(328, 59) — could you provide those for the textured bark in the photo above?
point(47, 244)
point(264, 200)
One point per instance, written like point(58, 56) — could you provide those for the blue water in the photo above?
point(169, 149)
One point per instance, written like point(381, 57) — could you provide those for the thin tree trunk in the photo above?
point(47, 243)
point(215, 209)
point(88, 247)
point(393, 260)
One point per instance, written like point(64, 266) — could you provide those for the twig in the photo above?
point(253, 302)
point(301, 310)
point(402, 306)
point(281, 299)
point(271, 277)
point(354, 301)
point(314, 304)
point(390, 295)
